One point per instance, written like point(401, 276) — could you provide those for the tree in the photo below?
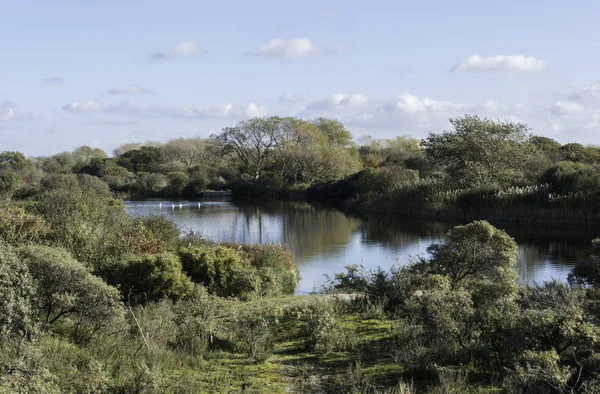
point(66, 289)
point(16, 293)
point(481, 151)
point(9, 183)
point(124, 148)
point(336, 132)
point(587, 273)
point(312, 151)
point(568, 177)
point(85, 153)
point(473, 251)
point(151, 277)
point(550, 147)
point(251, 142)
point(177, 183)
point(189, 151)
point(140, 160)
point(579, 153)
point(14, 161)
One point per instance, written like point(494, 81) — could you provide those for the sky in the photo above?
point(103, 73)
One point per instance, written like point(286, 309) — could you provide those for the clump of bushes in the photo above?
point(246, 272)
point(150, 277)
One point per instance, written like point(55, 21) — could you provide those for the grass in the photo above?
point(123, 363)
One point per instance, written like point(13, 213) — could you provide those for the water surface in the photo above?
point(325, 240)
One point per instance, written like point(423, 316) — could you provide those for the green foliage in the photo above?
point(16, 293)
point(275, 266)
point(18, 227)
point(538, 372)
point(251, 271)
point(200, 321)
point(569, 177)
point(9, 183)
point(220, 269)
point(150, 277)
point(65, 289)
point(320, 328)
point(473, 252)
point(178, 181)
point(481, 151)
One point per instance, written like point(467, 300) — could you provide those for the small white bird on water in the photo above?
point(172, 205)
point(160, 205)
point(199, 205)
point(180, 205)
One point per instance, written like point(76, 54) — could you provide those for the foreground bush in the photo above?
point(245, 272)
point(65, 289)
point(150, 277)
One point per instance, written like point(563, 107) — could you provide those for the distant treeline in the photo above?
point(479, 168)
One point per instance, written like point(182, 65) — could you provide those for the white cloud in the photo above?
point(150, 111)
point(8, 112)
point(255, 111)
point(566, 108)
point(295, 48)
point(593, 90)
point(129, 89)
point(339, 102)
point(506, 63)
point(83, 107)
point(291, 98)
point(407, 103)
point(405, 113)
point(183, 48)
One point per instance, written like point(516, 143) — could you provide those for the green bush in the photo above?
point(275, 267)
point(65, 289)
point(150, 277)
point(249, 271)
point(17, 290)
point(18, 227)
point(200, 322)
point(319, 326)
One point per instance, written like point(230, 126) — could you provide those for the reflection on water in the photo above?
point(325, 240)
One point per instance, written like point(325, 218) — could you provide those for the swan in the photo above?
point(180, 205)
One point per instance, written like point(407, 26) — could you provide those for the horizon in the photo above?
point(114, 73)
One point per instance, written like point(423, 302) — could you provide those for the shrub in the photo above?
point(16, 293)
point(539, 372)
point(275, 266)
point(151, 277)
point(211, 266)
point(18, 227)
point(66, 289)
point(200, 321)
point(249, 271)
point(75, 369)
point(177, 183)
point(319, 327)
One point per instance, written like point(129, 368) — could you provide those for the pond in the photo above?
point(325, 240)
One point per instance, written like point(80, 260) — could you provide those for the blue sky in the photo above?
point(105, 73)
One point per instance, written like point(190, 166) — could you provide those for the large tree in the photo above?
point(251, 141)
point(481, 151)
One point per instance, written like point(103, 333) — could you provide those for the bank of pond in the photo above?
point(324, 240)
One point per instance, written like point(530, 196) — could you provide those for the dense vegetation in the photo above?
point(477, 169)
point(93, 300)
